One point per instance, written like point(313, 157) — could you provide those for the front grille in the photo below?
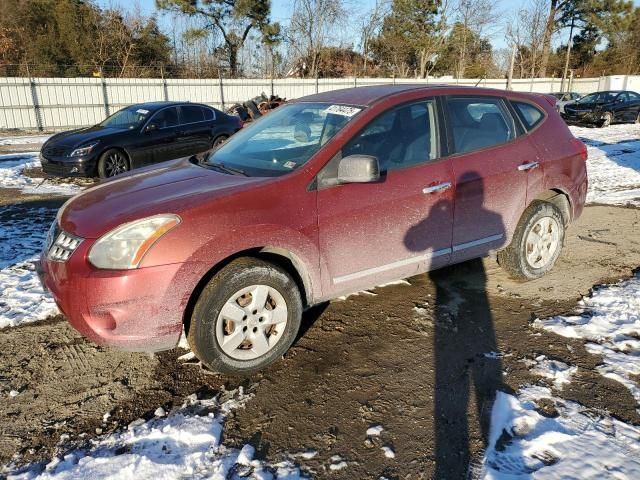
point(60, 244)
point(54, 151)
point(53, 168)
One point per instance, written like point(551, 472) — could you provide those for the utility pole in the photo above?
point(566, 61)
point(511, 64)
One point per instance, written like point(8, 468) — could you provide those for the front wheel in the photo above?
point(246, 318)
point(607, 118)
point(536, 244)
point(111, 163)
point(219, 141)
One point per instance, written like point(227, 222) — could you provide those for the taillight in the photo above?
point(582, 148)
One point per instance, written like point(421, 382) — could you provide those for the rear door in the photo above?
point(194, 134)
point(490, 167)
point(400, 226)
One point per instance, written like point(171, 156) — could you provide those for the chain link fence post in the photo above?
point(105, 96)
point(165, 89)
point(221, 89)
point(34, 99)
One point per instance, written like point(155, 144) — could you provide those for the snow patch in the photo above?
point(610, 322)
point(577, 443)
point(388, 452)
point(186, 444)
point(375, 430)
point(24, 140)
point(613, 164)
point(22, 298)
point(558, 372)
point(12, 176)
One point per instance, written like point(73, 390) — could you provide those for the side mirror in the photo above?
point(358, 169)
point(150, 128)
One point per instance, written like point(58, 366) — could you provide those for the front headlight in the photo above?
point(124, 247)
point(86, 150)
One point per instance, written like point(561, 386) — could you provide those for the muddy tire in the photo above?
point(246, 317)
point(219, 141)
point(536, 244)
point(607, 118)
point(112, 162)
point(638, 117)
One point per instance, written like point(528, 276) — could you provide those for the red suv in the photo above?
point(327, 195)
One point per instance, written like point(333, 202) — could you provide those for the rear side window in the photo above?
point(208, 114)
point(529, 115)
point(479, 123)
point(399, 138)
point(192, 114)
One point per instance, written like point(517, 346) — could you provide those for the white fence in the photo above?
point(58, 103)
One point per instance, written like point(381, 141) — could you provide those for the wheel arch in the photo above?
point(281, 257)
point(560, 199)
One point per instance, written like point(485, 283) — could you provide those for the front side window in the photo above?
point(479, 123)
point(283, 140)
point(529, 115)
point(401, 137)
point(165, 118)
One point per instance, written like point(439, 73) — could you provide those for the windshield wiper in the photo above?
point(225, 168)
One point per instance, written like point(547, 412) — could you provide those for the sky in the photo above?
point(281, 11)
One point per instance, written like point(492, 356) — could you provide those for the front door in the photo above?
point(165, 137)
point(490, 169)
point(399, 226)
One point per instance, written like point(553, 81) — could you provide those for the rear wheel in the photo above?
point(607, 118)
point(112, 162)
point(246, 318)
point(638, 117)
point(536, 244)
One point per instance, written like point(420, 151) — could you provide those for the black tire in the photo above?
point(513, 258)
point(638, 117)
point(607, 119)
point(219, 140)
point(113, 162)
point(240, 274)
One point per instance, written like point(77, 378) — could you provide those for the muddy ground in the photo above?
point(370, 359)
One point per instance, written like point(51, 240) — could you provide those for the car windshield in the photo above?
point(283, 140)
point(127, 118)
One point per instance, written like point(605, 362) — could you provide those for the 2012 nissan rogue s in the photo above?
point(327, 195)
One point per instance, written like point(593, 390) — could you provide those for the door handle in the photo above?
point(441, 187)
point(528, 166)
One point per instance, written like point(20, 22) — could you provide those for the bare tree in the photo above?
point(312, 25)
point(370, 24)
point(526, 31)
point(475, 18)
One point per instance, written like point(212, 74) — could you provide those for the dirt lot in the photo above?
point(411, 358)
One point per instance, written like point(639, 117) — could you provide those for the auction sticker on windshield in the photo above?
point(343, 110)
point(142, 111)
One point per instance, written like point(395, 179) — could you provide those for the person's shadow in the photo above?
point(465, 346)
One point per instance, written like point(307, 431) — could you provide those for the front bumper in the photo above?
point(135, 310)
point(588, 118)
point(69, 166)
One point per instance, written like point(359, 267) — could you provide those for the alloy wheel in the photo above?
point(115, 164)
point(251, 322)
point(542, 242)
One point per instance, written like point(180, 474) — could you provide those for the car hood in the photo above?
point(80, 136)
point(171, 187)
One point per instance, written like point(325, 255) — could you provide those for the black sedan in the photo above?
point(604, 108)
point(136, 136)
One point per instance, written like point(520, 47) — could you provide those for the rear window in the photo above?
point(208, 114)
point(529, 115)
